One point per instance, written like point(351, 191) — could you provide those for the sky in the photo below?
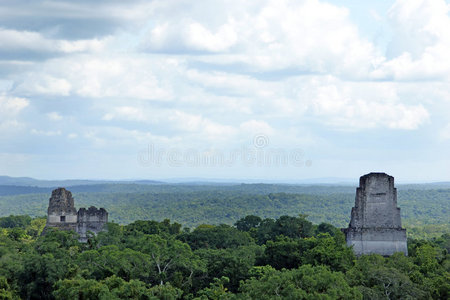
point(225, 89)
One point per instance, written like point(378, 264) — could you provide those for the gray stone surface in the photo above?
point(375, 225)
point(62, 214)
point(92, 219)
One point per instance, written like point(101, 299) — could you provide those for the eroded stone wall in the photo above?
point(91, 219)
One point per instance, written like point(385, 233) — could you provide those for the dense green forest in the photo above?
point(424, 208)
point(256, 258)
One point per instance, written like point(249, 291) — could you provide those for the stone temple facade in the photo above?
point(375, 225)
point(61, 214)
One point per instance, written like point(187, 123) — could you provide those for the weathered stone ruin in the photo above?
point(375, 225)
point(61, 214)
point(92, 219)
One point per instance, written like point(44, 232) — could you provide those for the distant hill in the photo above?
point(6, 190)
point(27, 181)
point(26, 185)
point(256, 189)
point(326, 182)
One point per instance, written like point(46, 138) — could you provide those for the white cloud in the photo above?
point(444, 133)
point(54, 116)
point(309, 35)
point(44, 84)
point(418, 24)
point(93, 45)
point(254, 127)
point(328, 100)
point(12, 105)
point(175, 122)
point(127, 113)
point(45, 132)
point(19, 40)
point(201, 38)
point(190, 36)
point(360, 105)
point(97, 77)
point(229, 83)
point(14, 40)
point(196, 123)
point(115, 138)
point(10, 108)
point(215, 74)
point(420, 47)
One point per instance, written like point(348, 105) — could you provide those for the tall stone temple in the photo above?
point(61, 214)
point(375, 225)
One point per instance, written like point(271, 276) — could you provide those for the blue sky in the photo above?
point(272, 90)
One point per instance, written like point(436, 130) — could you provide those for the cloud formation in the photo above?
point(215, 73)
point(10, 108)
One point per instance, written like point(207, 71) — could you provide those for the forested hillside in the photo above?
point(258, 258)
point(424, 211)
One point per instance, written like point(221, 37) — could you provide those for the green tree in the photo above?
point(327, 250)
point(17, 233)
point(40, 273)
point(5, 291)
point(217, 237)
point(327, 228)
point(306, 282)
point(112, 236)
point(110, 260)
point(293, 227)
point(112, 288)
point(153, 227)
point(247, 223)
point(80, 288)
point(378, 281)
point(36, 227)
point(427, 258)
point(284, 252)
point(169, 255)
point(233, 263)
point(15, 221)
point(264, 232)
point(216, 290)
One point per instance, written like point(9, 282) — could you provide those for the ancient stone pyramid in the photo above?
point(375, 225)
